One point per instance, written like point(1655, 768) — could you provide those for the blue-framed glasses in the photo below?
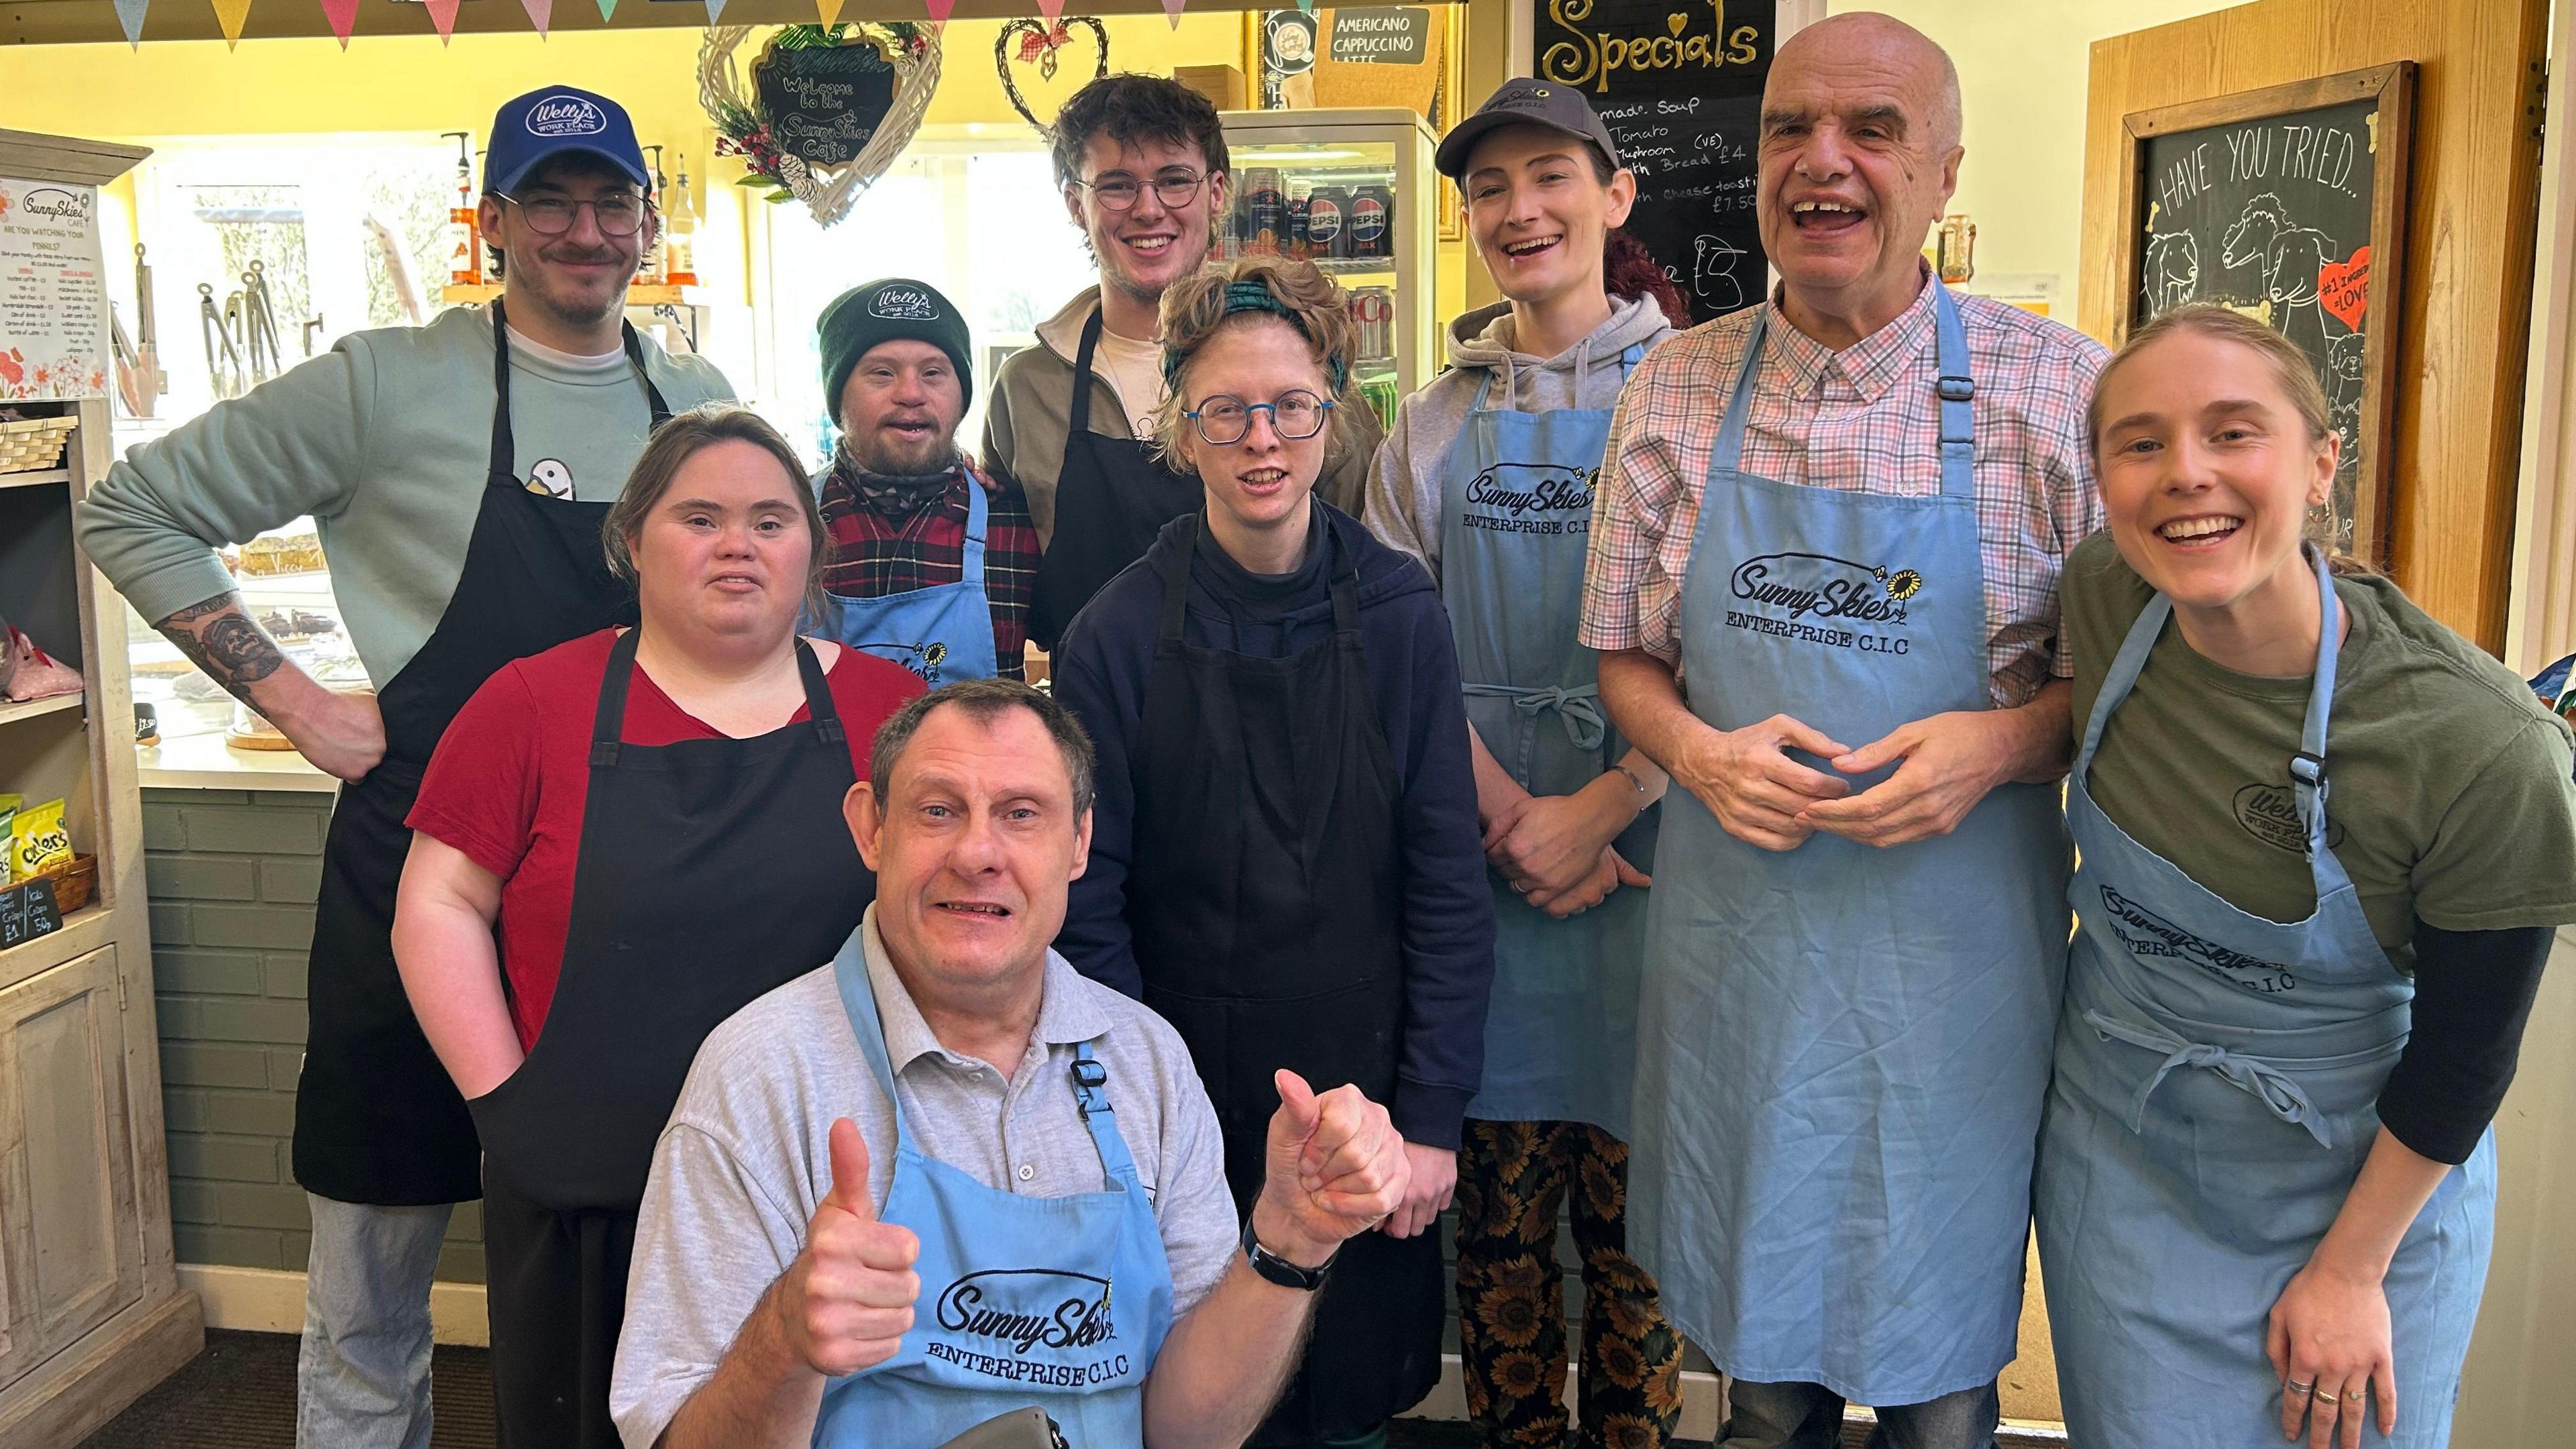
point(1296, 416)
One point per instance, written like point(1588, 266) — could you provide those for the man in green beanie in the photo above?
point(929, 567)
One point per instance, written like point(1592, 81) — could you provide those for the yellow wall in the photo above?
point(2022, 68)
point(414, 85)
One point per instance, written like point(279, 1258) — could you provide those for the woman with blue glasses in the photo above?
point(1284, 856)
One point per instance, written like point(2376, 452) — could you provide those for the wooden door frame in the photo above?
point(2471, 217)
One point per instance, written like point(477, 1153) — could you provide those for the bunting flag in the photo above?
point(230, 14)
point(1308, 6)
point(715, 11)
point(830, 11)
point(607, 9)
point(343, 15)
point(939, 9)
point(129, 14)
point(542, 12)
point(1172, 8)
point(1053, 10)
point(442, 13)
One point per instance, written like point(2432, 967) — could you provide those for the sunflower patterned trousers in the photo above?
point(1511, 1299)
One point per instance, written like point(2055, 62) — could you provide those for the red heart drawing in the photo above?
point(2344, 288)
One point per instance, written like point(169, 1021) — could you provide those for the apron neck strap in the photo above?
point(859, 1003)
point(971, 555)
point(1739, 403)
point(502, 468)
point(1958, 393)
point(1090, 1079)
point(1176, 588)
point(1079, 422)
point(608, 722)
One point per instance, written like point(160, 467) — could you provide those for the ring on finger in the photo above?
point(2296, 1387)
point(2354, 1396)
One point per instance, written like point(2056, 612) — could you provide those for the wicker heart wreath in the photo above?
point(750, 125)
point(1042, 45)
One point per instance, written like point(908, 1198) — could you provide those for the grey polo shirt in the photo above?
point(746, 1157)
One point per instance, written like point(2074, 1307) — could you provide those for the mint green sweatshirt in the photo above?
point(383, 441)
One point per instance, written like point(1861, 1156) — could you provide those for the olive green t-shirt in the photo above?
point(2449, 784)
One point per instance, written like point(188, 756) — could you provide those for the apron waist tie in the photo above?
point(1575, 708)
point(2251, 1075)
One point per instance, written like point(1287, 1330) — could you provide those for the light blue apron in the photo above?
point(2217, 1084)
point(943, 633)
point(1061, 1302)
point(1843, 1049)
point(1515, 523)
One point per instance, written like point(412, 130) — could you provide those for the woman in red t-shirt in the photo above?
point(620, 842)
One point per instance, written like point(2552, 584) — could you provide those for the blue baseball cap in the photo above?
point(558, 121)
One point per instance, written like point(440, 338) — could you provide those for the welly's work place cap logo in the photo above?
point(566, 115)
point(903, 304)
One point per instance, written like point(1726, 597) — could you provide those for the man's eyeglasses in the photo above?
point(618, 214)
point(1296, 416)
point(1119, 191)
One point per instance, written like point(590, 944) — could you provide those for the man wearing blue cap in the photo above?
point(408, 448)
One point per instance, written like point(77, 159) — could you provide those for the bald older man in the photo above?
point(1824, 583)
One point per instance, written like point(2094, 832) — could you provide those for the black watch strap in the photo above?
point(1278, 1269)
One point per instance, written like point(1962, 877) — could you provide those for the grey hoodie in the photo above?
point(1404, 486)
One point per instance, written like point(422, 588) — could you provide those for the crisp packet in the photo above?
point(38, 842)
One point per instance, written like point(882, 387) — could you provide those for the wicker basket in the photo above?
point(34, 445)
point(74, 883)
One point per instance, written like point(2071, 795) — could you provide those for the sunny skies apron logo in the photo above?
point(992, 1319)
point(1815, 598)
point(1520, 497)
point(2147, 934)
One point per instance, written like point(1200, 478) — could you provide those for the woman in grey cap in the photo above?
point(1487, 478)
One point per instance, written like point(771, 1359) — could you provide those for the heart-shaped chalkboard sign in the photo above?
point(824, 102)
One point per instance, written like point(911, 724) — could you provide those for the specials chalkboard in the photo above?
point(2286, 210)
point(1681, 91)
point(824, 102)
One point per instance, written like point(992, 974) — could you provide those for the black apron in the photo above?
point(377, 1119)
point(1274, 940)
point(1112, 498)
point(710, 872)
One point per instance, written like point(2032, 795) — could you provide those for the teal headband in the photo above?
point(1257, 297)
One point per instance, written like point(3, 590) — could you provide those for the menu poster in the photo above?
point(53, 293)
point(1680, 88)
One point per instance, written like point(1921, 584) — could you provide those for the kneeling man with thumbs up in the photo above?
point(945, 1177)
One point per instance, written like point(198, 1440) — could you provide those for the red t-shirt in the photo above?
point(507, 784)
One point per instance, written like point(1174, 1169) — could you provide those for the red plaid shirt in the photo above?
point(874, 555)
point(1864, 418)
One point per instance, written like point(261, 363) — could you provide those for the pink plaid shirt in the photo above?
point(1865, 418)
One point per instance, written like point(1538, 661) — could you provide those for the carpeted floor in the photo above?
point(240, 1394)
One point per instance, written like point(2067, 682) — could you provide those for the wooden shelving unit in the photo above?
point(91, 1311)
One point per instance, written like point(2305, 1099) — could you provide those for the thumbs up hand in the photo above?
point(1336, 1168)
point(846, 1301)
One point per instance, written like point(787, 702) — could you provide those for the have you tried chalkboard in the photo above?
point(2289, 204)
point(1680, 87)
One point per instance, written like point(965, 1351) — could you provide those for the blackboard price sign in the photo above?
point(28, 910)
point(1680, 87)
point(2285, 204)
point(824, 102)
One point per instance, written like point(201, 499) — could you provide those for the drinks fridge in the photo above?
point(1351, 191)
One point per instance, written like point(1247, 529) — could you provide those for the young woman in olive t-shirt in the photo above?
point(2309, 818)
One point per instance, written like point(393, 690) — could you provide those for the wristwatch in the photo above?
point(1278, 1269)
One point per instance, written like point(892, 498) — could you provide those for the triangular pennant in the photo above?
point(1307, 6)
point(442, 13)
point(1053, 10)
point(129, 14)
point(939, 9)
point(830, 10)
point(230, 14)
point(607, 9)
point(1172, 8)
point(343, 15)
point(715, 11)
point(542, 12)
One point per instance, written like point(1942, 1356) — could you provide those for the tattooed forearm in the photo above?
point(220, 638)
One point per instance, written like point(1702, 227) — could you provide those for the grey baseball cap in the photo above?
point(1524, 102)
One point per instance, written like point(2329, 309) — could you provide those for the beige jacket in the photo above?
point(1031, 409)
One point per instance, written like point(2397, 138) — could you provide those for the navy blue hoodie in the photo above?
point(1100, 674)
